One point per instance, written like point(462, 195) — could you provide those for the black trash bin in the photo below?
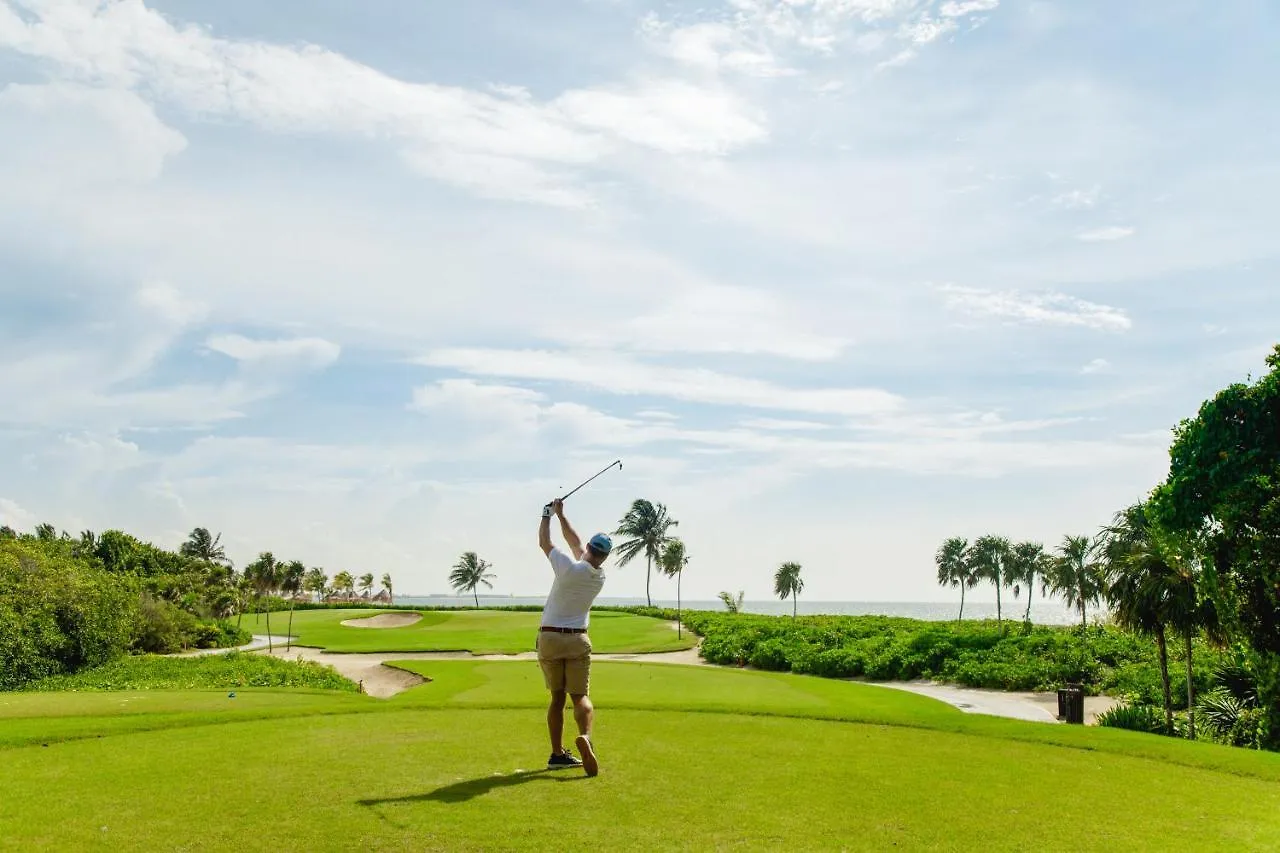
point(1071, 703)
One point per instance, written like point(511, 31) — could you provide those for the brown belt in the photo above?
point(563, 630)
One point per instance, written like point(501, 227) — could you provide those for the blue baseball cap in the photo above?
point(601, 543)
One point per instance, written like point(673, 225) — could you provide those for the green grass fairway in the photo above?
point(478, 631)
point(693, 758)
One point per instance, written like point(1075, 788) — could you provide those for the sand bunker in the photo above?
point(384, 620)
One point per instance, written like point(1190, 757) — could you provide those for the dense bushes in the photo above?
point(977, 653)
point(62, 611)
point(164, 628)
point(219, 671)
point(58, 614)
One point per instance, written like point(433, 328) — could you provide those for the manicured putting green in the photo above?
point(477, 631)
point(694, 758)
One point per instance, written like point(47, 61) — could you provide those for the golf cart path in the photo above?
point(385, 681)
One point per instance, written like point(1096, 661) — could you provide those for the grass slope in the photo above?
point(478, 631)
point(694, 759)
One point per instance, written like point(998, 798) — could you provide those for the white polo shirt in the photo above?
point(572, 593)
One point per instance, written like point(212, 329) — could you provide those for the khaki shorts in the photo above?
point(566, 661)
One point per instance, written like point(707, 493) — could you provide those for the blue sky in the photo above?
point(365, 284)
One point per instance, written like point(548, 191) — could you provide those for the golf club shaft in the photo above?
point(617, 462)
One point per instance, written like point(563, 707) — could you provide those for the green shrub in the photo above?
point(1137, 718)
point(215, 671)
point(57, 614)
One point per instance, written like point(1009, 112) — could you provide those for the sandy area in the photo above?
point(384, 620)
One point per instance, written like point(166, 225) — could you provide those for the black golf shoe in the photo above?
point(563, 761)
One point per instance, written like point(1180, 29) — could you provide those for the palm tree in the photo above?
point(344, 583)
point(468, 573)
point(647, 524)
point(292, 574)
point(7, 532)
point(672, 563)
point(202, 546)
point(731, 604)
point(386, 584)
point(264, 574)
point(1153, 581)
point(1077, 574)
point(955, 568)
point(46, 532)
point(366, 584)
point(315, 582)
point(787, 582)
point(1027, 564)
point(990, 557)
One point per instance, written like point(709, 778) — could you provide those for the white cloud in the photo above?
point(716, 319)
point(667, 115)
point(169, 304)
point(616, 375)
point(926, 29)
point(784, 425)
point(1114, 232)
point(44, 126)
point(15, 516)
point(713, 47)
point(1098, 365)
point(1052, 309)
point(960, 8)
point(501, 143)
point(1077, 199)
point(312, 353)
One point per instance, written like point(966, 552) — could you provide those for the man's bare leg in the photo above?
point(584, 714)
point(555, 721)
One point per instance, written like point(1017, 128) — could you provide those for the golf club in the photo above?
point(617, 462)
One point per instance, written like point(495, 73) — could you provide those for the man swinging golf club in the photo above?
point(564, 648)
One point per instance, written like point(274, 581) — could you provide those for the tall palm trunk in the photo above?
point(476, 596)
point(793, 604)
point(1030, 584)
point(648, 569)
point(1191, 695)
point(679, 624)
point(1084, 619)
point(268, 631)
point(289, 640)
point(999, 612)
point(1164, 679)
point(960, 618)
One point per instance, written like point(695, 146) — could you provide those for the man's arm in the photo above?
point(544, 533)
point(570, 535)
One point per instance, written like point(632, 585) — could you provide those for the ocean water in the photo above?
point(1046, 613)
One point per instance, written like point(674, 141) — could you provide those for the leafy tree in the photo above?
point(648, 525)
point(204, 547)
point(315, 582)
point(46, 532)
point(672, 564)
point(468, 573)
point(7, 532)
point(386, 584)
point(955, 568)
point(1028, 563)
point(787, 582)
point(1076, 574)
point(1223, 490)
point(292, 575)
point(343, 583)
point(264, 574)
point(990, 558)
point(366, 584)
point(731, 604)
